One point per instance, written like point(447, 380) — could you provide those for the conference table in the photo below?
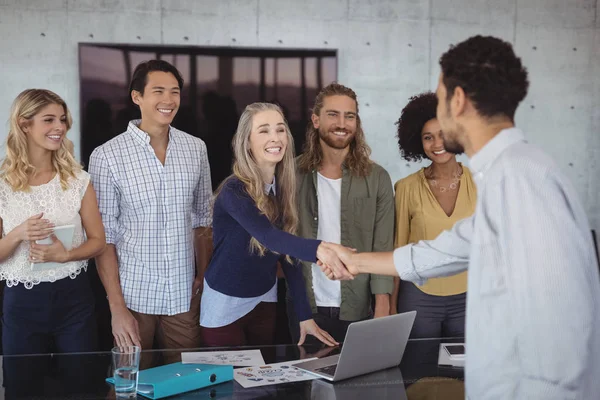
point(417, 377)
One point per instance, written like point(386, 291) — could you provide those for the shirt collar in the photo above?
point(140, 135)
point(270, 187)
point(481, 160)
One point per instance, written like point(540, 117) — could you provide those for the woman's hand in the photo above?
point(344, 257)
point(310, 327)
point(34, 228)
point(56, 252)
point(329, 255)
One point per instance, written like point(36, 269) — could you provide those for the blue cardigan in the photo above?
point(237, 271)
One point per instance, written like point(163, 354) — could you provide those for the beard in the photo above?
point(449, 135)
point(334, 141)
point(451, 144)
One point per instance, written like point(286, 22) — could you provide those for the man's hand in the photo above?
point(203, 249)
point(197, 286)
point(345, 255)
point(310, 327)
point(125, 328)
point(56, 252)
point(327, 254)
point(332, 256)
point(380, 312)
point(382, 305)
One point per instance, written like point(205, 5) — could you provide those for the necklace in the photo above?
point(434, 183)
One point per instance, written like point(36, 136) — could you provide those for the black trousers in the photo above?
point(437, 316)
point(51, 317)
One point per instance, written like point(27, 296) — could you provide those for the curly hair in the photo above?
point(357, 160)
point(414, 116)
point(489, 72)
point(16, 168)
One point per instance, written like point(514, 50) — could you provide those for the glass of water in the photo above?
point(126, 364)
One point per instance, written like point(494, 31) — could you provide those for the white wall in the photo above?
point(388, 51)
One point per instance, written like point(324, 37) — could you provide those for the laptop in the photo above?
point(369, 346)
point(452, 355)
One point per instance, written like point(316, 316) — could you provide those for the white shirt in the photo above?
point(149, 211)
point(218, 309)
point(533, 319)
point(329, 191)
point(59, 206)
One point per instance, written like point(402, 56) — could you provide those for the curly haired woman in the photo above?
point(427, 203)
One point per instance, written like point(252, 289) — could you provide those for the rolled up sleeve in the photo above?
point(446, 255)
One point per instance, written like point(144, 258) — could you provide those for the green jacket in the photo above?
point(367, 224)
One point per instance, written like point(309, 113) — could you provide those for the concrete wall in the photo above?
point(388, 51)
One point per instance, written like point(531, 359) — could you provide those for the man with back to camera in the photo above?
point(533, 330)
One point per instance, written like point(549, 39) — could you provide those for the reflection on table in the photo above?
point(417, 377)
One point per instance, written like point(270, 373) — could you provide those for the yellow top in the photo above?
point(419, 216)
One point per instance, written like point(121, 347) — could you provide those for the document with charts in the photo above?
point(272, 374)
point(238, 358)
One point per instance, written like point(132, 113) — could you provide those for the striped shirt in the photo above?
point(533, 328)
point(149, 212)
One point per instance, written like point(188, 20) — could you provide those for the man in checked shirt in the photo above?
point(154, 191)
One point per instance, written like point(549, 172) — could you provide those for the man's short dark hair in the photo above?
point(489, 72)
point(414, 116)
point(140, 75)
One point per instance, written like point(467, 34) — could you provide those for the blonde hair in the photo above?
point(16, 169)
point(357, 160)
point(280, 210)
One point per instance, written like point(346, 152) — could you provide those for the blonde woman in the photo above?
point(42, 187)
point(254, 218)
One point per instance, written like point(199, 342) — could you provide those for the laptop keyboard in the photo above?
point(330, 370)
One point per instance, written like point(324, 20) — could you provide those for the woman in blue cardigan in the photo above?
point(254, 219)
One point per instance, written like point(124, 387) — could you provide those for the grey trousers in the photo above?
point(437, 316)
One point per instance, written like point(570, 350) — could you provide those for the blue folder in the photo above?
point(171, 379)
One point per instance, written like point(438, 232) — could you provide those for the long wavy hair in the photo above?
point(358, 158)
point(280, 209)
point(16, 168)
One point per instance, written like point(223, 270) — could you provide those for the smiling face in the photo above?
point(433, 142)
point(336, 121)
point(268, 138)
point(161, 98)
point(47, 129)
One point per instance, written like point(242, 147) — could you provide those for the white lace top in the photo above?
point(59, 206)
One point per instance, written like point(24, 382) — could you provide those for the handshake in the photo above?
point(336, 261)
